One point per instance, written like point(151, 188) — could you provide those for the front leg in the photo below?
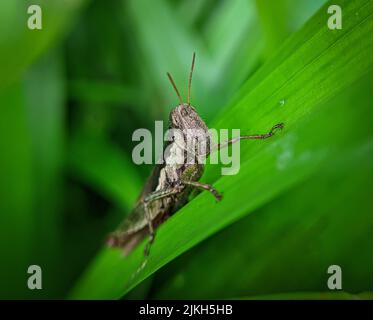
point(255, 136)
point(204, 186)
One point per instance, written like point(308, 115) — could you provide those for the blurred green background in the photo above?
point(72, 93)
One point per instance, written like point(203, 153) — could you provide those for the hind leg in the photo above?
point(151, 230)
point(204, 186)
point(157, 195)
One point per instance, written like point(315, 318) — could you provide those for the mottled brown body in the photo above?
point(170, 184)
point(169, 177)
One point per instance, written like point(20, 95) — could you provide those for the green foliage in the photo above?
point(306, 81)
point(300, 202)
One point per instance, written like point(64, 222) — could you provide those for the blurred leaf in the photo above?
point(24, 46)
point(282, 17)
point(192, 11)
point(313, 66)
point(235, 57)
point(220, 66)
point(45, 99)
point(171, 44)
point(30, 146)
point(105, 167)
point(88, 91)
point(17, 237)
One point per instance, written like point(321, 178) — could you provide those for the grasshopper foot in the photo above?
point(218, 196)
point(276, 127)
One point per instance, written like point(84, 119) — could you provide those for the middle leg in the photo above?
point(204, 186)
point(255, 136)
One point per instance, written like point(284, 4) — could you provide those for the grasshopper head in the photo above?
point(184, 116)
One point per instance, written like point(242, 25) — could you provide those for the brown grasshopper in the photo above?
point(168, 187)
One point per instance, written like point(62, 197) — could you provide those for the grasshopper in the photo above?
point(169, 185)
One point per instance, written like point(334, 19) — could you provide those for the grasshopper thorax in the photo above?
point(191, 139)
point(192, 129)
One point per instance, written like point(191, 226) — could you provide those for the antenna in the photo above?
point(174, 85)
point(190, 76)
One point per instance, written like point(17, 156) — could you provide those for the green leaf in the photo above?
point(288, 244)
point(282, 17)
point(236, 57)
point(220, 66)
point(310, 69)
point(88, 91)
point(45, 98)
point(195, 10)
point(16, 189)
point(31, 138)
point(106, 168)
point(24, 46)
